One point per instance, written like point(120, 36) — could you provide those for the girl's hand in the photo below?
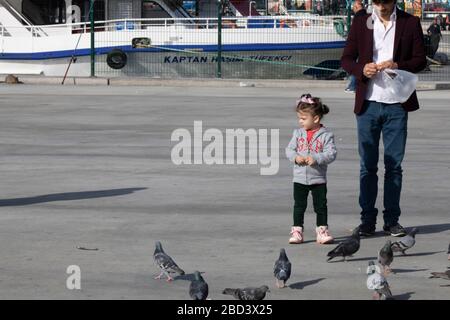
point(300, 160)
point(310, 161)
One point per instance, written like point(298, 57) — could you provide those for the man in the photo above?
point(440, 19)
point(359, 10)
point(434, 31)
point(388, 38)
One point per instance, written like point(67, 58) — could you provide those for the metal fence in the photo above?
point(273, 47)
point(438, 53)
point(295, 47)
point(251, 47)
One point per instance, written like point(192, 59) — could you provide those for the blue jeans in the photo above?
point(351, 83)
point(391, 120)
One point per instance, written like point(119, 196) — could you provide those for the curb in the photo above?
point(270, 83)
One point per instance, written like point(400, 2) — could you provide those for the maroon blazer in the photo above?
point(409, 53)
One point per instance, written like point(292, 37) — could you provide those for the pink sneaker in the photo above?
point(296, 235)
point(323, 235)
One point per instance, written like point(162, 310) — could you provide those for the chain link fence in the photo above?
point(275, 48)
point(297, 46)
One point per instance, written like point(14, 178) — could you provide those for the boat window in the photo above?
point(41, 12)
point(152, 9)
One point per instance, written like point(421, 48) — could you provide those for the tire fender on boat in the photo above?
point(116, 59)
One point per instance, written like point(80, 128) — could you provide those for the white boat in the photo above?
point(131, 42)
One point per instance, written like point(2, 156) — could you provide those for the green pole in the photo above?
point(219, 38)
point(91, 12)
point(349, 14)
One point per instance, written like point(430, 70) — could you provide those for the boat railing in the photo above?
point(35, 30)
point(131, 25)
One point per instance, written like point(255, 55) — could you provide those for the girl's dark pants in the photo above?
point(319, 195)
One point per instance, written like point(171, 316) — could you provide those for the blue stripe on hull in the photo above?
point(202, 48)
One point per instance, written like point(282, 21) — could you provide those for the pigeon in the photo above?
point(346, 248)
point(165, 263)
point(377, 282)
point(444, 275)
point(406, 242)
point(249, 293)
point(386, 256)
point(198, 290)
point(282, 269)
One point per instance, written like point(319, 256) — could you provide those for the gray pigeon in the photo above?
point(406, 242)
point(165, 263)
point(378, 283)
point(444, 275)
point(249, 293)
point(346, 248)
point(386, 256)
point(282, 269)
point(198, 290)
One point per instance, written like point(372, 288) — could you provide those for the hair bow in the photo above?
point(306, 98)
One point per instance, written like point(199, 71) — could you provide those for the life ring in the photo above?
point(116, 59)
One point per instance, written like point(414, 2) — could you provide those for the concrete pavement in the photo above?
point(90, 166)
point(221, 83)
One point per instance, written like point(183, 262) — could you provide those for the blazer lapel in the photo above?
point(399, 27)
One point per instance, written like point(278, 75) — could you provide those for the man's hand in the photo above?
point(370, 69)
point(310, 161)
point(386, 65)
point(300, 160)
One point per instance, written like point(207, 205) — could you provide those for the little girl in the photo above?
point(311, 149)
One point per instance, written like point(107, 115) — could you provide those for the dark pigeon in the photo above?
point(165, 263)
point(198, 290)
point(406, 242)
point(386, 256)
point(378, 283)
point(346, 248)
point(249, 293)
point(443, 275)
point(282, 269)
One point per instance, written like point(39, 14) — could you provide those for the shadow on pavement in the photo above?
point(404, 296)
point(378, 234)
point(67, 196)
point(363, 259)
point(418, 254)
point(426, 229)
point(407, 270)
point(301, 285)
point(186, 277)
point(432, 228)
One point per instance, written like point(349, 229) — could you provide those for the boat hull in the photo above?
point(273, 64)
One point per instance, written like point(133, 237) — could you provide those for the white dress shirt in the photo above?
point(383, 50)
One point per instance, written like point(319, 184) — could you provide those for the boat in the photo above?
point(159, 38)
